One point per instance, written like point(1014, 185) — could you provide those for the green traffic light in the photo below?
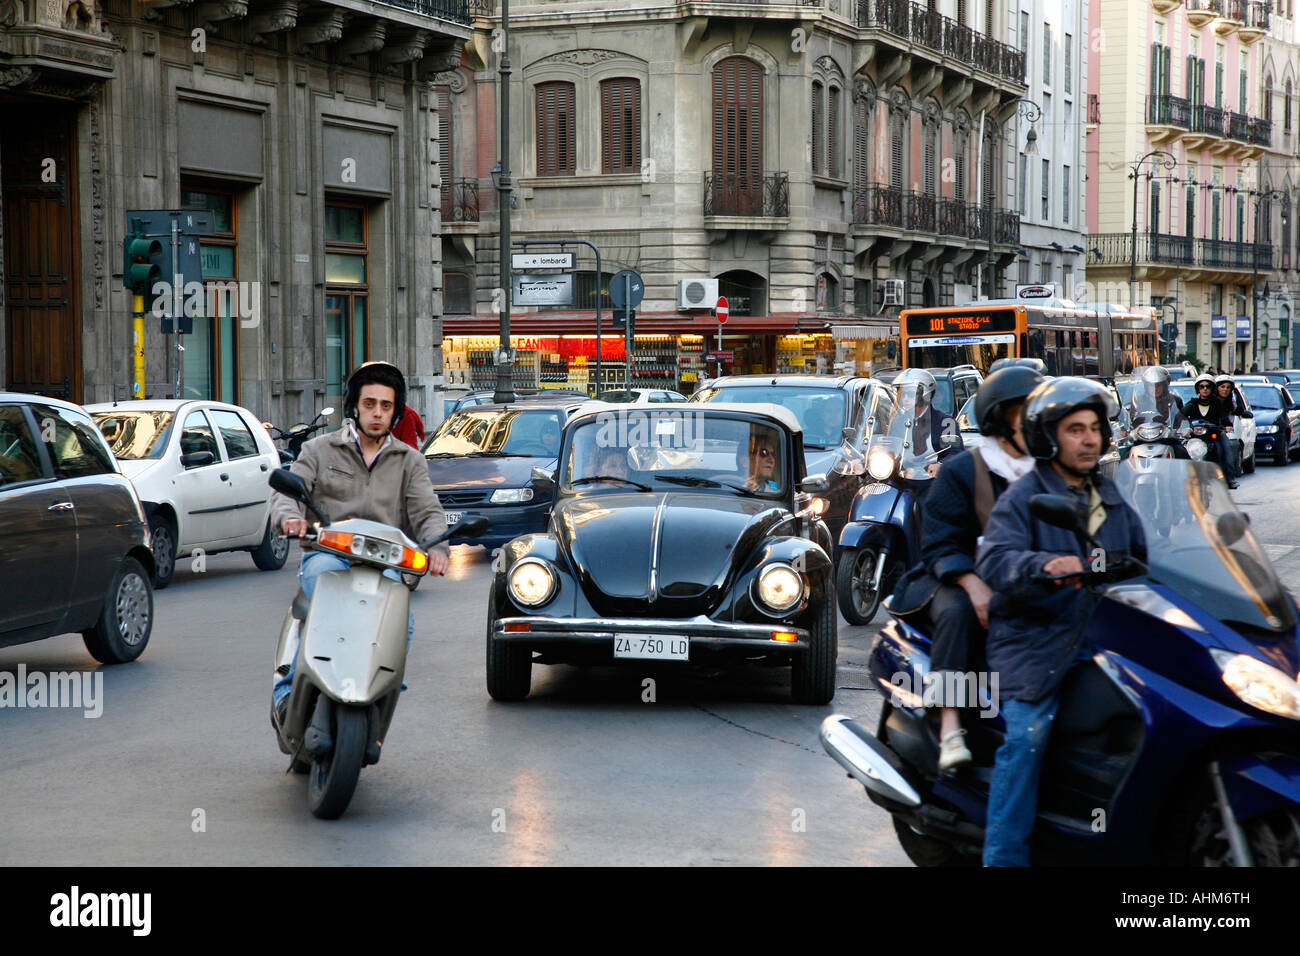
point(139, 273)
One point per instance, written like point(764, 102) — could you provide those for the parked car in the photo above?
point(482, 460)
point(455, 402)
point(824, 406)
point(640, 396)
point(674, 538)
point(1277, 420)
point(953, 386)
point(74, 545)
point(1243, 429)
point(200, 469)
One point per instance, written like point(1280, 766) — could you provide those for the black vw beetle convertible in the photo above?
point(685, 534)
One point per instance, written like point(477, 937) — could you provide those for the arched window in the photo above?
point(746, 292)
point(1286, 105)
point(1268, 99)
point(828, 292)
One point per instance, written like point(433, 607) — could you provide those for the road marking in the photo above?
point(1278, 551)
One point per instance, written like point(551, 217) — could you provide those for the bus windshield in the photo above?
point(926, 353)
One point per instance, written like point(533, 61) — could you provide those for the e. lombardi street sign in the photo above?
point(541, 260)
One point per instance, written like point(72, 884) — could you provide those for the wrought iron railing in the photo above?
point(1209, 119)
point(881, 205)
point(747, 194)
point(1166, 110)
point(1205, 6)
point(483, 8)
point(455, 11)
point(1239, 126)
point(1233, 11)
point(1257, 15)
point(460, 201)
point(928, 28)
point(1116, 249)
point(1094, 108)
point(1261, 131)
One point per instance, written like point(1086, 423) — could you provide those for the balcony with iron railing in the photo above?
point(1261, 131)
point(929, 29)
point(1167, 116)
point(880, 205)
point(1231, 18)
point(1256, 22)
point(1094, 108)
point(1186, 252)
point(747, 195)
point(1201, 12)
point(453, 11)
point(460, 201)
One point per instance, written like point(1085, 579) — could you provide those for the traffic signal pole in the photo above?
point(177, 305)
point(137, 307)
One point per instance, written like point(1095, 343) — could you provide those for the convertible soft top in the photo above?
point(767, 409)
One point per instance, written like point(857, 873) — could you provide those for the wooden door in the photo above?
point(42, 325)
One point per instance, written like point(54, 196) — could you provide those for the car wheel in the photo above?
point(509, 667)
point(162, 539)
point(1248, 466)
point(812, 677)
point(271, 554)
point(124, 624)
point(1284, 456)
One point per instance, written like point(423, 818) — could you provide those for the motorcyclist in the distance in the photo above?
point(1233, 409)
point(362, 471)
point(1207, 406)
point(931, 425)
point(1152, 395)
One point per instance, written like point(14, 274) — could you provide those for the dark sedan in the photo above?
point(1277, 421)
point(481, 461)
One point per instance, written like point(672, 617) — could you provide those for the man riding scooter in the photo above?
point(953, 516)
point(361, 471)
point(1036, 626)
point(930, 424)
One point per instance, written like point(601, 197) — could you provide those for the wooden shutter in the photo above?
point(928, 162)
point(1166, 70)
point(738, 135)
point(861, 144)
point(1155, 69)
point(556, 130)
point(1191, 80)
point(833, 131)
point(620, 116)
point(445, 151)
point(818, 161)
point(959, 162)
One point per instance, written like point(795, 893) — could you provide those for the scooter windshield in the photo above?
point(1200, 545)
point(906, 439)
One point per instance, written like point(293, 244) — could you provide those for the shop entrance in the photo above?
point(39, 188)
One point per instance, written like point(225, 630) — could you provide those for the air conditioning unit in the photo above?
point(697, 292)
point(892, 290)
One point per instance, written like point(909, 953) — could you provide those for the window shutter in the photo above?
point(896, 155)
point(445, 151)
point(959, 158)
point(833, 131)
point(620, 109)
point(928, 172)
point(861, 145)
point(1167, 70)
point(818, 161)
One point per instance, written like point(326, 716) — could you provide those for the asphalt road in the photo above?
point(182, 767)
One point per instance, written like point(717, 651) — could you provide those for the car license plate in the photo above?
point(652, 647)
point(452, 517)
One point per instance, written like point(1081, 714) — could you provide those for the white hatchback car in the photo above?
point(200, 469)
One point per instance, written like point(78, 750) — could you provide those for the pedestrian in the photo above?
point(1254, 368)
point(410, 428)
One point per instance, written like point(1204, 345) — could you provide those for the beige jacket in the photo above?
point(395, 490)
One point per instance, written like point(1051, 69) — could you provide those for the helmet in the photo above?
point(1056, 398)
point(922, 380)
point(1011, 383)
point(374, 373)
point(1203, 377)
point(1154, 375)
point(1037, 364)
point(1220, 379)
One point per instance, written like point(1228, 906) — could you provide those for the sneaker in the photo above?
point(952, 750)
point(1233, 485)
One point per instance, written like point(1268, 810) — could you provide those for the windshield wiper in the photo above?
point(591, 479)
point(694, 481)
point(818, 447)
point(443, 454)
point(497, 454)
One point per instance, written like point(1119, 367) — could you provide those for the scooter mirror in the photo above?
point(849, 436)
point(815, 484)
point(470, 527)
point(287, 483)
point(327, 411)
point(1056, 510)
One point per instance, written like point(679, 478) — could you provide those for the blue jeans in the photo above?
point(1227, 460)
point(1013, 794)
point(314, 564)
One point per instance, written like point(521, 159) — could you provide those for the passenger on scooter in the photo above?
point(1233, 409)
point(953, 516)
point(1035, 627)
point(1207, 407)
point(362, 471)
point(930, 424)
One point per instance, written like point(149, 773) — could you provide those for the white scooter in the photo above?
point(347, 646)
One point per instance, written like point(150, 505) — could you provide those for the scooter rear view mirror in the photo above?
point(327, 411)
point(292, 486)
point(1056, 510)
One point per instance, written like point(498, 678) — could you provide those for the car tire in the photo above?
point(509, 667)
point(162, 540)
point(1248, 465)
point(126, 621)
point(271, 554)
point(812, 675)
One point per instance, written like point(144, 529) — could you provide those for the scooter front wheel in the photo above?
point(858, 600)
point(334, 777)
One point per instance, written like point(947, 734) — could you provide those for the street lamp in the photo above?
point(1168, 345)
point(1168, 161)
point(1032, 112)
point(505, 390)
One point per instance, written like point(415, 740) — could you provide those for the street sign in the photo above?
point(621, 316)
point(1243, 326)
point(541, 260)
point(626, 288)
point(1035, 291)
point(158, 222)
point(544, 290)
point(1218, 327)
point(721, 310)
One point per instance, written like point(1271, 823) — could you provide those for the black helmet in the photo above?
point(374, 373)
point(1056, 398)
point(1011, 383)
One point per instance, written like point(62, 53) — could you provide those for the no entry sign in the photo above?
point(720, 310)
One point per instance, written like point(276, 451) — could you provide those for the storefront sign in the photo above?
point(1035, 291)
point(1218, 327)
point(1243, 326)
point(723, 356)
point(544, 290)
point(541, 260)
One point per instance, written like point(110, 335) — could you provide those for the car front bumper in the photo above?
point(702, 632)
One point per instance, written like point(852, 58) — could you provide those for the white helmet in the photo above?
point(921, 380)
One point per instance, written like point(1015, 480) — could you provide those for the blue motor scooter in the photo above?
point(1179, 742)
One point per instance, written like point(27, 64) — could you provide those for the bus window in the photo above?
point(1091, 359)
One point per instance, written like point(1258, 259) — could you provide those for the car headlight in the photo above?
point(881, 463)
point(507, 496)
point(531, 582)
point(1261, 685)
point(1144, 599)
point(1267, 429)
point(1196, 448)
point(780, 587)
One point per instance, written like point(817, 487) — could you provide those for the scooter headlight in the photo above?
point(780, 587)
point(532, 583)
point(1196, 448)
point(1261, 685)
point(1149, 431)
point(881, 463)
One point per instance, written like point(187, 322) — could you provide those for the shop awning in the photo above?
point(676, 323)
point(866, 330)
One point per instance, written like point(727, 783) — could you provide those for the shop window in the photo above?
point(556, 130)
point(620, 126)
point(212, 352)
point(347, 299)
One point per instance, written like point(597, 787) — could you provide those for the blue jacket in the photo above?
point(1035, 628)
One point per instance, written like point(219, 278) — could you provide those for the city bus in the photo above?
point(1070, 339)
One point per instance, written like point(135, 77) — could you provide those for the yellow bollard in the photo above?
point(138, 308)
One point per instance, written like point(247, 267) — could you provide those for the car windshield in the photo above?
point(497, 432)
point(820, 411)
point(1200, 545)
point(1263, 396)
point(655, 450)
point(135, 435)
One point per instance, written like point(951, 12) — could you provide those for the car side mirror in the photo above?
point(545, 476)
point(197, 459)
point(815, 484)
point(849, 436)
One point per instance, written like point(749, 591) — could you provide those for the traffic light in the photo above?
point(143, 262)
point(623, 317)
